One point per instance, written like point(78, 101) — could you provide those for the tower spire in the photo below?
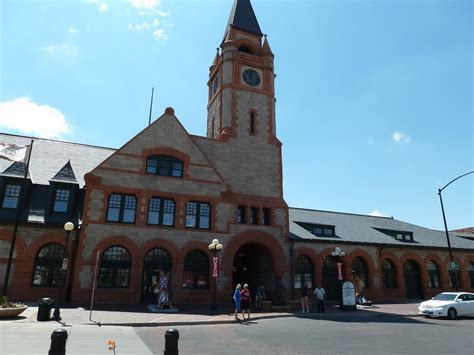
point(242, 17)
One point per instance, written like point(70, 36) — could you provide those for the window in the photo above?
point(253, 215)
point(245, 49)
point(454, 279)
point(61, 200)
point(115, 268)
point(252, 123)
point(266, 216)
point(323, 231)
point(161, 211)
point(241, 214)
point(48, 263)
point(303, 272)
point(121, 208)
point(198, 215)
point(398, 235)
point(433, 275)
point(471, 274)
point(11, 196)
point(389, 276)
point(359, 269)
point(196, 270)
point(165, 166)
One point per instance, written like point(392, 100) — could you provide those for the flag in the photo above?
point(13, 152)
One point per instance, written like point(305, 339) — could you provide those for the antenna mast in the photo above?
point(151, 105)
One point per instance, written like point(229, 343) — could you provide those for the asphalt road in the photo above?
point(331, 335)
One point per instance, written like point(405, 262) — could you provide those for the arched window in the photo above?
point(433, 275)
point(164, 165)
point(196, 270)
point(454, 279)
point(471, 274)
point(159, 256)
point(48, 263)
point(115, 268)
point(359, 269)
point(303, 272)
point(389, 274)
point(245, 49)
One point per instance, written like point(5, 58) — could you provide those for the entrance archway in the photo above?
point(254, 265)
point(413, 287)
point(156, 260)
point(331, 284)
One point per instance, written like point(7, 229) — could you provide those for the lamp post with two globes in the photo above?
point(215, 246)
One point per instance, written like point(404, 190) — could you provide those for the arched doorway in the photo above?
point(156, 260)
point(253, 265)
point(330, 282)
point(413, 287)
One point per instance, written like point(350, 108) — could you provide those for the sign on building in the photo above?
point(215, 266)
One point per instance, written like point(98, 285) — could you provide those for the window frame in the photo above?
point(198, 215)
point(434, 274)
point(121, 208)
point(160, 159)
point(253, 215)
point(18, 186)
point(114, 265)
point(390, 282)
point(197, 271)
point(161, 212)
point(304, 272)
point(266, 216)
point(55, 199)
point(362, 270)
point(241, 214)
point(53, 266)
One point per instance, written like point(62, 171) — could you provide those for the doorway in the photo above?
point(413, 287)
point(331, 284)
point(156, 260)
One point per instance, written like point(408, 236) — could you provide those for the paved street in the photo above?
point(383, 329)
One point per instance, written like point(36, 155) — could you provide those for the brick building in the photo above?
point(155, 204)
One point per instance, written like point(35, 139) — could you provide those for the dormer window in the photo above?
point(61, 200)
point(398, 235)
point(165, 166)
point(319, 230)
point(11, 196)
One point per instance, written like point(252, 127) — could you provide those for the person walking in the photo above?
point(245, 301)
point(320, 295)
point(259, 296)
point(236, 299)
point(305, 298)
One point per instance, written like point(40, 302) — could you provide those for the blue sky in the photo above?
point(374, 98)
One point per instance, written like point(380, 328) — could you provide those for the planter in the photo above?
point(12, 312)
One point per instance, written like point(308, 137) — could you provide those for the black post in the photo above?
point(63, 273)
point(17, 221)
point(214, 307)
point(58, 342)
point(171, 342)
point(449, 243)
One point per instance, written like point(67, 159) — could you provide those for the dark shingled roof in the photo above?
point(358, 228)
point(55, 160)
point(243, 18)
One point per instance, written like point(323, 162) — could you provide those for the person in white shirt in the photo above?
point(320, 295)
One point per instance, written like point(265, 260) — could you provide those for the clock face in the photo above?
point(215, 85)
point(251, 77)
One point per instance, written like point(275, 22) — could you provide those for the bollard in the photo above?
point(58, 342)
point(171, 342)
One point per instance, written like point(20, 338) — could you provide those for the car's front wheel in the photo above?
point(452, 314)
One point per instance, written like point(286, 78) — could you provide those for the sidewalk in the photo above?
point(139, 315)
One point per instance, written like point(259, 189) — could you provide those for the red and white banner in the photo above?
point(13, 152)
point(339, 271)
point(215, 266)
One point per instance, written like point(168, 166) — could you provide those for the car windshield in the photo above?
point(444, 297)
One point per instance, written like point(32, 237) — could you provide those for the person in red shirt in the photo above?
point(245, 301)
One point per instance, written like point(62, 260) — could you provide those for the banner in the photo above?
point(215, 266)
point(339, 272)
point(13, 152)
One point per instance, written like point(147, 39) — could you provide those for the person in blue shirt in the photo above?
point(236, 299)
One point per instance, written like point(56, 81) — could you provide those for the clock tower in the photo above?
point(241, 82)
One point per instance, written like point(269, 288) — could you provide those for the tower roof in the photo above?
point(243, 18)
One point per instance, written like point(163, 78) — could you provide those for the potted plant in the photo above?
point(10, 309)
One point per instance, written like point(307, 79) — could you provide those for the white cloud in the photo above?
point(145, 4)
point(103, 7)
point(28, 117)
point(400, 137)
point(160, 34)
point(141, 26)
point(164, 14)
point(72, 30)
point(65, 49)
point(377, 213)
point(156, 22)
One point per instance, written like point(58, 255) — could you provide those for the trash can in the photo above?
point(45, 305)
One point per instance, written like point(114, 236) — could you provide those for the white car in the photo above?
point(448, 304)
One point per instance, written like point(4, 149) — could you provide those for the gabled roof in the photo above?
point(17, 169)
point(66, 174)
point(48, 157)
point(358, 228)
point(243, 18)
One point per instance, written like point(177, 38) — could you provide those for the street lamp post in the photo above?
point(215, 246)
point(68, 227)
point(456, 281)
point(339, 254)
